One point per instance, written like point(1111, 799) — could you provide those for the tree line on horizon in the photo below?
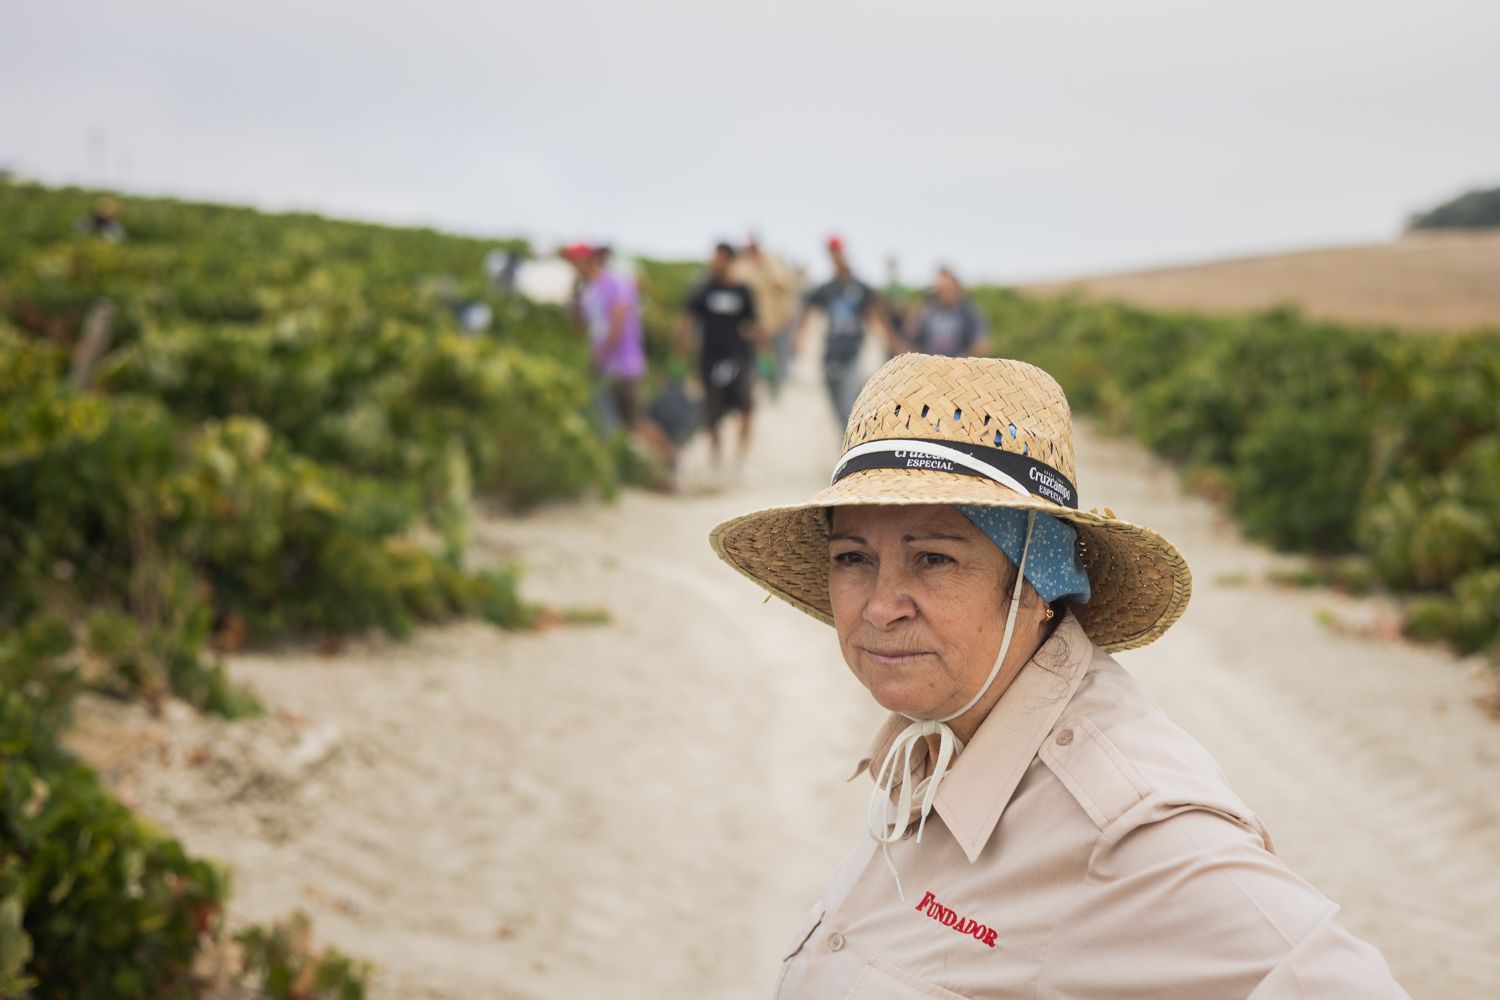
point(1476, 209)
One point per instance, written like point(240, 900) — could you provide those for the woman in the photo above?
point(1038, 828)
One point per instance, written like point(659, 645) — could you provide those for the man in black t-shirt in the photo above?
point(725, 315)
point(849, 304)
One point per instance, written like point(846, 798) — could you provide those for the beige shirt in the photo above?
point(773, 286)
point(1081, 846)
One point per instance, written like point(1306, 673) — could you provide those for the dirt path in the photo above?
point(644, 809)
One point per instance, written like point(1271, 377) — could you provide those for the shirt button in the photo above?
point(836, 942)
point(1065, 737)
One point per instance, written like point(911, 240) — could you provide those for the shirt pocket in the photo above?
point(814, 918)
point(880, 980)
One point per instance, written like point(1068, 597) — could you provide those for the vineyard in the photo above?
point(228, 429)
point(1374, 451)
point(225, 429)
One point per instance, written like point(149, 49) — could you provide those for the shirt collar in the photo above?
point(979, 785)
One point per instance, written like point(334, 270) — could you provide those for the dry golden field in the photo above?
point(1422, 281)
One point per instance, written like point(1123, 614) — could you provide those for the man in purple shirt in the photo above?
point(610, 309)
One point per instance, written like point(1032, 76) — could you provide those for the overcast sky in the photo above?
point(1013, 140)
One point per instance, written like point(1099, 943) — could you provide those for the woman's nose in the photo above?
point(890, 601)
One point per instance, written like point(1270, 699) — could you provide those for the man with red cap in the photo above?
point(849, 304)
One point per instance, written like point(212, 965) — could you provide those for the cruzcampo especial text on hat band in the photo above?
point(1021, 473)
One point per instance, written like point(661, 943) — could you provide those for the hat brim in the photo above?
point(1140, 582)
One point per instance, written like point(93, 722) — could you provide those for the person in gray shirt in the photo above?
point(850, 306)
point(948, 323)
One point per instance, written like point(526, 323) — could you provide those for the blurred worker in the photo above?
point(775, 290)
point(896, 300)
point(729, 336)
point(103, 220)
point(849, 304)
point(948, 323)
point(502, 266)
point(609, 308)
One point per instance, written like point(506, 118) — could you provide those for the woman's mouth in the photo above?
point(893, 657)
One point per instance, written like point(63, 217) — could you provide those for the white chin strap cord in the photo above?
point(887, 827)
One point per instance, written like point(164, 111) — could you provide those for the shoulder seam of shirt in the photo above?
point(1108, 786)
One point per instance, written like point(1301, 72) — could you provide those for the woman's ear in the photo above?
point(1031, 599)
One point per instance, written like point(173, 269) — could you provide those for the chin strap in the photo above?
point(887, 826)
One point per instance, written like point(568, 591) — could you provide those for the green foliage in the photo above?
point(1477, 209)
point(15, 944)
point(285, 437)
point(664, 289)
point(1298, 474)
point(220, 263)
point(282, 432)
point(498, 596)
point(289, 968)
point(37, 664)
point(108, 907)
point(1468, 617)
point(1379, 448)
point(1427, 531)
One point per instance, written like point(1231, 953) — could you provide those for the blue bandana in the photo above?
point(1052, 565)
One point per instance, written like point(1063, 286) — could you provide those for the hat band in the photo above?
point(1003, 467)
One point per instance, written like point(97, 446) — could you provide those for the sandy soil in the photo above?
point(645, 808)
point(1423, 281)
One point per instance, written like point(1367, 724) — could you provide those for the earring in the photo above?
point(1050, 613)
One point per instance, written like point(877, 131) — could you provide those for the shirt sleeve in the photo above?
point(749, 294)
point(916, 328)
point(1184, 901)
point(1329, 962)
point(696, 300)
point(973, 325)
point(606, 293)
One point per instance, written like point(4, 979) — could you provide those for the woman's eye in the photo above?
point(934, 559)
point(849, 558)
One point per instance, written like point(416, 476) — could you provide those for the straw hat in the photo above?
point(984, 431)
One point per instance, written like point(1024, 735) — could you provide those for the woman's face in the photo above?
point(919, 600)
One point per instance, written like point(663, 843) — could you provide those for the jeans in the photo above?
point(844, 383)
